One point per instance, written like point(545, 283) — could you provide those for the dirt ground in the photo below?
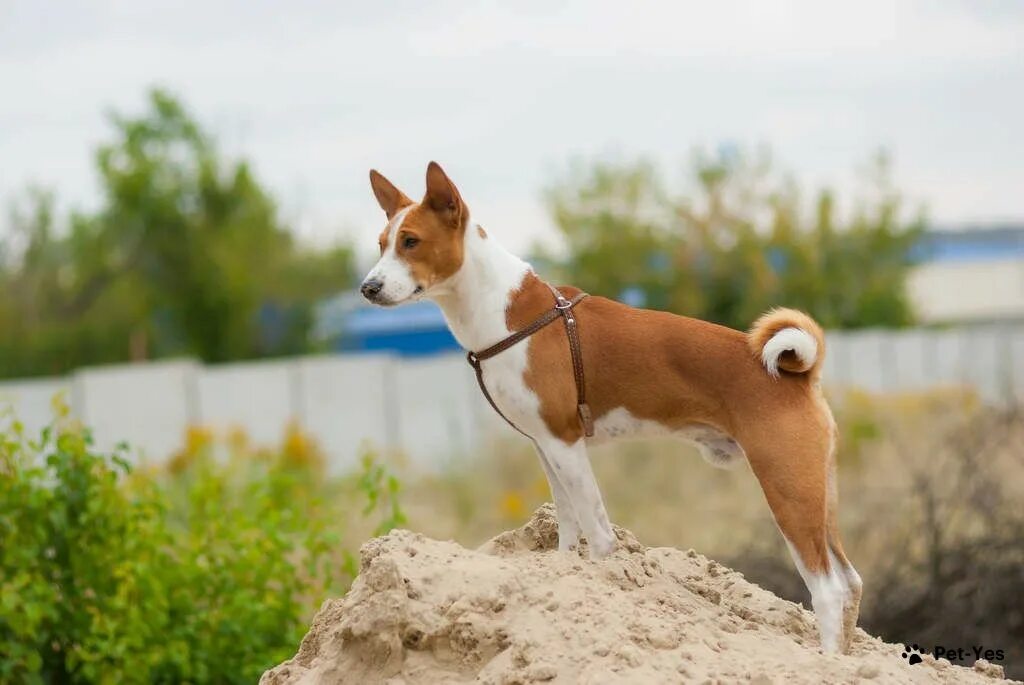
point(517, 611)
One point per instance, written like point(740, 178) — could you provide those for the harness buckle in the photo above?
point(562, 304)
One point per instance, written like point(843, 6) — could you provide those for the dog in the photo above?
point(753, 396)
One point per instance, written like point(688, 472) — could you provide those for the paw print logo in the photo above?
point(912, 653)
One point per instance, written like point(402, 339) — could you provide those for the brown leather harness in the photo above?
point(563, 308)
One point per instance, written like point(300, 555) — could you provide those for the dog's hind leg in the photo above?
point(794, 479)
point(852, 582)
point(568, 523)
point(571, 467)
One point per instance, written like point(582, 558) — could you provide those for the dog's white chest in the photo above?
point(504, 377)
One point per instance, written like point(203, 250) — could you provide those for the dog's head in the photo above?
point(423, 243)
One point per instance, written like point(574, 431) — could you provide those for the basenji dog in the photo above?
point(753, 396)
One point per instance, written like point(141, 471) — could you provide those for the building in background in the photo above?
point(347, 323)
point(969, 275)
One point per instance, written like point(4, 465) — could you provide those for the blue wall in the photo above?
point(408, 330)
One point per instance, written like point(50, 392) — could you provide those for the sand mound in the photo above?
point(514, 611)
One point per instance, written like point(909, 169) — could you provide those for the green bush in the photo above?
point(207, 571)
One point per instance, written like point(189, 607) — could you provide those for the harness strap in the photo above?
point(563, 308)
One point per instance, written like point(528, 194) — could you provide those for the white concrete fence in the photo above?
point(430, 408)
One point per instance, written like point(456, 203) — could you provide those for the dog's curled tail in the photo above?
point(789, 340)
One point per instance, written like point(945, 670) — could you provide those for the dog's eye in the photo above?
point(410, 242)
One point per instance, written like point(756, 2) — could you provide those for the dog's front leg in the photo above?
point(568, 523)
point(571, 468)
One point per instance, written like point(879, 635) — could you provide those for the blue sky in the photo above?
point(504, 97)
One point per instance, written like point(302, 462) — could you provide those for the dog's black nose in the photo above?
point(370, 288)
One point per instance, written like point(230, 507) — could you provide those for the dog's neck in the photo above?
point(476, 298)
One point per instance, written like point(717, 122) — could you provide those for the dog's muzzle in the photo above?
point(371, 289)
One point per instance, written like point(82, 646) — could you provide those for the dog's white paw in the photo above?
point(568, 537)
point(601, 547)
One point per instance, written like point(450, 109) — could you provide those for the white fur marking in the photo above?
point(621, 423)
point(791, 338)
point(395, 275)
point(568, 523)
point(571, 467)
point(474, 301)
point(828, 592)
point(716, 447)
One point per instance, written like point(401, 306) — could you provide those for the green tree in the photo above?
point(616, 221)
point(736, 242)
point(40, 275)
point(187, 255)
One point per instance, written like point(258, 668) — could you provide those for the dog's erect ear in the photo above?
point(390, 198)
point(443, 197)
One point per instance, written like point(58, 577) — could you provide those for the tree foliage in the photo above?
point(738, 243)
point(186, 255)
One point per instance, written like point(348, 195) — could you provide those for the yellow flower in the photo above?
point(238, 440)
point(299, 450)
point(197, 440)
point(59, 405)
point(512, 505)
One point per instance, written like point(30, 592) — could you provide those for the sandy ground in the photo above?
point(516, 611)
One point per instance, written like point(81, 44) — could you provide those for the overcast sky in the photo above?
point(317, 93)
